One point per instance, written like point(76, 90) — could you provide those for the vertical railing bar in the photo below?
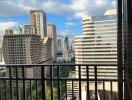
point(87, 69)
point(27, 96)
point(120, 46)
point(0, 92)
point(66, 88)
point(72, 90)
point(43, 82)
point(30, 90)
point(5, 89)
point(23, 74)
point(111, 90)
point(10, 76)
point(80, 94)
point(51, 81)
point(103, 90)
point(95, 70)
point(58, 76)
point(36, 90)
point(17, 82)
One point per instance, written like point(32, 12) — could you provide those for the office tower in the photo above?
point(26, 48)
point(73, 45)
point(26, 29)
point(98, 45)
point(46, 56)
point(18, 30)
point(51, 33)
point(22, 49)
point(38, 22)
point(1, 53)
point(8, 32)
point(72, 52)
point(65, 47)
point(46, 48)
point(59, 49)
point(59, 44)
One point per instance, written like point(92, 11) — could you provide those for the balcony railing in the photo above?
point(59, 82)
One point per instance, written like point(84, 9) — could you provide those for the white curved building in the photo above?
point(98, 45)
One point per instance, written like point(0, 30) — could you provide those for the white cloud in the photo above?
point(7, 25)
point(84, 8)
point(7, 8)
point(68, 33)
point(99, 2)
point(70, 24)
point(74, 8)
point(55, 6)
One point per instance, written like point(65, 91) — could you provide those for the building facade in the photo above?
point(38, 22)
point(97, 45)
point(22, 49)
point(51, 33)
point(65, 47)
point(26, 29)
point(46, 56)
point(8, 31)
point(1, 53)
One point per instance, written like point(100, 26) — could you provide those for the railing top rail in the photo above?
point(10, 65)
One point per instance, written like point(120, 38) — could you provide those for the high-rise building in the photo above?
point(63, 50)
point(65, 47)
point(1, 53)
point(59, 44)
point(26, 29)
point(28, 46)
point(38, 22)
point(22, 49)
point(97, 45)
point(51, 33)
point(59, 49)
point(25, 49)
point(46, 56)
point(8, 31)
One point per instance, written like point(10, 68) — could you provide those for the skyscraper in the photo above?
point(8, 32)
point(51, 33)
point(1, 53)
point(59, 48)
point(65, 47)
point(26, 48)
point(59, 44)
point(26, 29)
point(38, 22)
point(46, 56)
point(22, 49)
point(98, 45)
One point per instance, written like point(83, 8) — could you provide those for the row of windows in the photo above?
point(96, 54)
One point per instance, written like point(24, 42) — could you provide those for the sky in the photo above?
point(65, 14)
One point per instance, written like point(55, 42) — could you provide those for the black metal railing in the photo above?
point(59, 82)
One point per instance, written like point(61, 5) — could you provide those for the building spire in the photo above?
point(19, 30)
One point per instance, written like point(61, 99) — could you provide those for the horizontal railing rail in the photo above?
point(58, 82)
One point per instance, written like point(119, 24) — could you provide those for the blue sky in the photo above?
point(65, 14)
